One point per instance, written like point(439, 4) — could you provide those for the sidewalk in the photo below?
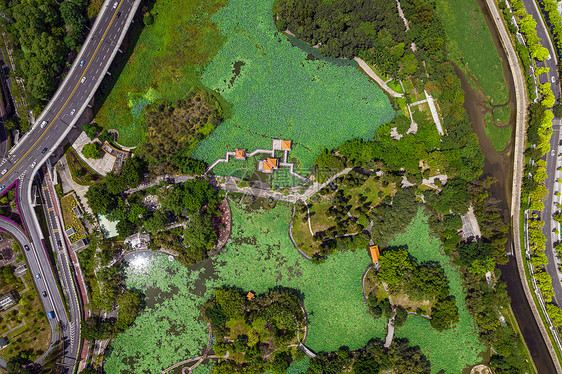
point(75, 266)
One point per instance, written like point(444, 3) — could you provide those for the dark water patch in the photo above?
point(315, 54)
point(236, 71)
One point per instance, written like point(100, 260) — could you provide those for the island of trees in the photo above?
point(255, 333)
point(411, 287)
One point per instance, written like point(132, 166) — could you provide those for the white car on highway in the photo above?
point(83, 80)
point(72, 112)
point(4, 171)
point(33, 164)
point(115, 4)
point(552, 79)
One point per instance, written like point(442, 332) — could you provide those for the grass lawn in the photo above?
point(499, 136)
point(469, 39)
point(276, 92)
point(70, 220)
point(454, 349)
point(25, 324)
point(166, 63)
point(501, 114)
point(422, 114)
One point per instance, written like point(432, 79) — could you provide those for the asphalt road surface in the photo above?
point(42, 275)
point(552, 157)
point(542, 32)
point(26, 158)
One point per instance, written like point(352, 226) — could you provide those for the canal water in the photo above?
point(499, 165)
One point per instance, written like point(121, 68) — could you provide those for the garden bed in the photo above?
point(67, 203)
point(81, 173)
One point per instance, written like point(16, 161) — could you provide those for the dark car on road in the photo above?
point(44, 150)
point(44, 293)
point(26, 247)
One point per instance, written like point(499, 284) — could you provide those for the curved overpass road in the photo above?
point(36, 257)
point(25, 159)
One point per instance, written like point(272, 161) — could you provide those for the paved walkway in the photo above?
point(367, 69)
point(102, 165)
point(434, 113)
point(168, 177)
point(470, 226)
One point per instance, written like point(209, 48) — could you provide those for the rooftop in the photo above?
point(240, 154)
point(374, 249)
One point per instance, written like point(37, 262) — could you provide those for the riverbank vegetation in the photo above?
point(471, 47)
point(41, 35)
point(256, 332)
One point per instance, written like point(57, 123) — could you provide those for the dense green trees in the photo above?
point(91, 150)
point(91, 129)
point(111, 292)
point(341, 28)
point(372, 359)
point(267, 326)
point(444, 314)
point(100, 200)
point(199, 236)
point(476, 256)
point(390, 219)
point(42, 33)
point(18, 363)
point(426, 281)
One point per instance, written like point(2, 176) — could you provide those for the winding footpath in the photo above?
point(518, 163)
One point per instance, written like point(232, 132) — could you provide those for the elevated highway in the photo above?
point(24, 160)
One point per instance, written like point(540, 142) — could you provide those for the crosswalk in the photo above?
point(72, 327)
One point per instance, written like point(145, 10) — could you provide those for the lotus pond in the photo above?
point(261, 256)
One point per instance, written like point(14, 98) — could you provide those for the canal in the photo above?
point(499, 165)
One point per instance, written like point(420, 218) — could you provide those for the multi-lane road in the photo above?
point(25, 159)
point(552, 157)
